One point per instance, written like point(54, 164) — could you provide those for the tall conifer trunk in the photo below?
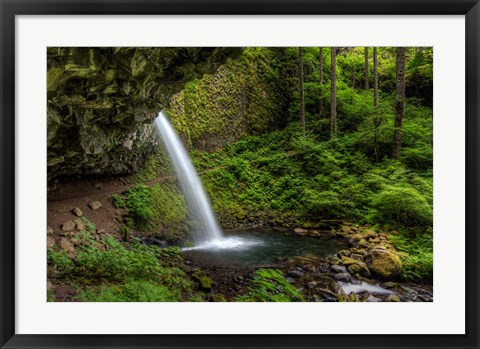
point(375, 102)
point(320, 106)
point(367, 82)
point(302, 91)
point(399, 102)
point(333, 103)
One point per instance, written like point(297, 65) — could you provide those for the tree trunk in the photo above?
point(399, 102)
point(367, 82)
point(375, 102)
point(320, 105)
point(333, 103)
point(302, 92)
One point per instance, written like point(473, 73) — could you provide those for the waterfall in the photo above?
point(206, 228)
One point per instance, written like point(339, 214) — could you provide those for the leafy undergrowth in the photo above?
point(417, 255)
point(269, 285)
point(148, 207)
point(112, 271)
point(285, 174)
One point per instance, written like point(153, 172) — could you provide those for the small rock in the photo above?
point(187, 262)
point(363, 243)
point(342, 277)
point(389, 284)
point(101, 231)
point(49, 230)
point(67, 246)
point(79, 224)
point(393, 298)
point(50, 242)
point(300, 231)
point(372, 298)
point(98, 186)
point(68, 226)
point(369, 234)
point(344, 253)
point(295, 274)
point(338, 269)
point(311, 284)
point(355, 281)
point(95, 205)
point(77, 212)
point(315, 234)
point(290, 280)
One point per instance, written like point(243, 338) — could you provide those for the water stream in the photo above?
point(205, 225)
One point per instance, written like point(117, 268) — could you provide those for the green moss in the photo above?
point(202, 278)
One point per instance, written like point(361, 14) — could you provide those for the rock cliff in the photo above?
point(102, 101)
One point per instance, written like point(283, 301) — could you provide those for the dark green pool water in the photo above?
point(260, 247)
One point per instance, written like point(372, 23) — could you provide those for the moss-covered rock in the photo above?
point(243, 97)
point(384, 264)
point(102, 101)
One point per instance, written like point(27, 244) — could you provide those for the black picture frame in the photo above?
point(11, 8)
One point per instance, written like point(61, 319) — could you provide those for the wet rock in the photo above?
point(187, 262)
point(77, 212)
point(290, 280)
point(50, 242)
point(356, 280)
point(384, 264)
point(79, 224)
point(389, 284)
point(344, 253)
point(338, 268)
point(98, 186)
point(311, 285)
point(355, 266)
point(369, 234)
point(315, 234)
point(295, 273)
point(393, 298)
point(372, 298)
point(363, 243)
point(49, 230)
point(342, 277)
point(355, 239)
point(95, 205)
point(68, 226)
point(300, 231)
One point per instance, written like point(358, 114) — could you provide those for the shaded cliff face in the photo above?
point(102, 101)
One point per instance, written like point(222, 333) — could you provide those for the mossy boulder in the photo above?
point(384, 264)
point(205, 281)
point(360, 267)
point(101, 102)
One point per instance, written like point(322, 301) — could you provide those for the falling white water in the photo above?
point(206, 228)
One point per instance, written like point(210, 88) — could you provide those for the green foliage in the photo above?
point(118, 201)
point(402, 206)
point(417, 257)
point(130, 291)
point(161, 203)
point(269, 285)
point(60, 261)
point(139, 205)
point(112, 271)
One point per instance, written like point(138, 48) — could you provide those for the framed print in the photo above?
point(238, 174)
